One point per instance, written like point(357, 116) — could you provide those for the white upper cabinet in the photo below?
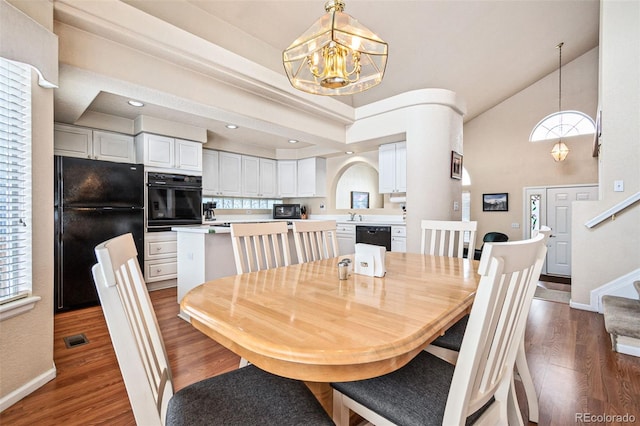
point(169, 153)
point(188, 155)
point(73, 141)
point(258, 177)
point(392, 164)
point(210, 172)
point(268, 178)
point(230, 174)
point(312, 177)
point(250, 176)
point(287, 178)
point(113, 147)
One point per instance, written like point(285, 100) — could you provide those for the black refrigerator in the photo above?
point(94, 201)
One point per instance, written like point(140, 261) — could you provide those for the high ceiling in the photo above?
point(484, 50)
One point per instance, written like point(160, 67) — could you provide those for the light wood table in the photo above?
point(302, 322)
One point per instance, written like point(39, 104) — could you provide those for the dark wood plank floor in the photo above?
point(568, 350)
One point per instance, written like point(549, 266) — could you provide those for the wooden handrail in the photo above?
point(610, 213)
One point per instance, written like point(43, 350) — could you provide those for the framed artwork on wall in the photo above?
point(498, 202)
point(359, 200)
point(456, 165)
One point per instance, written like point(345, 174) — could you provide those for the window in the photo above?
point(241, 203)
point(15, 181)
point(562, 124)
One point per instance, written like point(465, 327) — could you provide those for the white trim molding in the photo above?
point(621, 286)
point(28, 388)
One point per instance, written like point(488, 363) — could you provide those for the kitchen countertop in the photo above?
point(217, 227)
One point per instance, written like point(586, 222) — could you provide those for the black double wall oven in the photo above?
point(173, 199)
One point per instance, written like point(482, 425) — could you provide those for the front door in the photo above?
point(559, 220)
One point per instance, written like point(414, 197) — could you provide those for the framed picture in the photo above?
point(456, 165)
point(495, 202)
point(359, 200)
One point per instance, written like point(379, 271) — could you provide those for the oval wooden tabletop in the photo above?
point(302, 322)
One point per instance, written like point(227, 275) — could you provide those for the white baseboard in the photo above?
point(628, 346)
point(582, 306)
point(26, 389)
point(621, 286)
point(161, 285)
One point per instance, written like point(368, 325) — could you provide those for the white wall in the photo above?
point(500, 158)
point(612, 249)
point(26, 340)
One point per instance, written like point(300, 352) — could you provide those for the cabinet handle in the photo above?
point(158, 270)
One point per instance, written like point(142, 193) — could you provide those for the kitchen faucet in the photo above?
point(352, 216)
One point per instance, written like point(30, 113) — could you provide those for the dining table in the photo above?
point(303, 322)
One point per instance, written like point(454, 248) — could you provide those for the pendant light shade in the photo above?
point(336, 56)
point(559, 151)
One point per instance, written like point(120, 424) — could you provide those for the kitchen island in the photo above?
point(204, 254)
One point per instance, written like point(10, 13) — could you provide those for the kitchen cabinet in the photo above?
point(312, 177)
point(258, 177)
point(168, 153)
point(392, 164)
point(210, 172)
point(160, 256)
point(399, 239)
point(346, 234)
point(74, 141)
point(188, 155)
point(230, 174)
point(287, 178)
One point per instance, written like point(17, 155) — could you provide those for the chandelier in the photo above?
point(336, 55)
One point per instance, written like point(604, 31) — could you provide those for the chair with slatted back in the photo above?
point(245, 396)
point(258, 246)
point(430, 391)
point(446, 237)
point(315, 240)
point(447, 347)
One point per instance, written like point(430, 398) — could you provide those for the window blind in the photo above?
point(15, 180)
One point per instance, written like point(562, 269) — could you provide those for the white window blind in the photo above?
point(15, 180)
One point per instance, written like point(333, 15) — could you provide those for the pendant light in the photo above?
point(336, 56)
point(562, 123)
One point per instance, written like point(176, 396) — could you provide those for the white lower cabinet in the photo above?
point(160, 256)
point(399, 239)
point(346, 234)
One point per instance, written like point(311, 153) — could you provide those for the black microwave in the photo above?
point(286, 211)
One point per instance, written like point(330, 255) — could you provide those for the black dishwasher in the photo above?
point(376, 235)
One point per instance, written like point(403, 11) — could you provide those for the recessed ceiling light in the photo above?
point(135, 103)
point(293, 141)
point(231, 126)
point(349, 152)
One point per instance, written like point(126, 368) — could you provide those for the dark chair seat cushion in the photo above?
point(452, 338)
point(416, 394)
point(247, 396)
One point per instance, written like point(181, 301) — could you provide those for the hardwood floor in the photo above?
point(569, 355)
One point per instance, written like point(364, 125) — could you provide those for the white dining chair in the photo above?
point(315, 240)
point(244, 396)
point(446, 237)
point(258, 246)
point(430, 391)
point(448, 345)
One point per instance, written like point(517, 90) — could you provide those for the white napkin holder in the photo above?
point(369, 260)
